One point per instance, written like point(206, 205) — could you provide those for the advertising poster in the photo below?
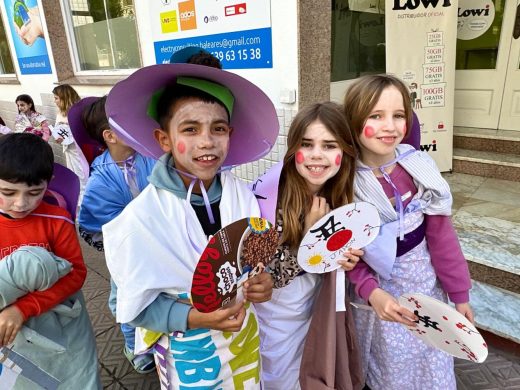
point(24, 19)
point(426, 63)
point(237, 32)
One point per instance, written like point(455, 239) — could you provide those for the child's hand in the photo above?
point(229, 319)
point(351, 258)
point(319, 208)
point(388, 309)
point(59, 140)
point(259, 288)
point(11, 321)
point(465, 310)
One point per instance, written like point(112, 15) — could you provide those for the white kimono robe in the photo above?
point(153, 235)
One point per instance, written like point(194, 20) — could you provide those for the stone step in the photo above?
point(496, 310)
point(487, 140)
point(486, 215)
point(487, 164)
point(489, 241)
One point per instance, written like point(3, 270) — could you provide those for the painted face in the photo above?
point(18, 200)
point(319, 156)
point(384, 128)
point(23, 107)
point(197, 137)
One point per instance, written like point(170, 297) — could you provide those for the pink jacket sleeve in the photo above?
point(447, 258)
point(363, 279)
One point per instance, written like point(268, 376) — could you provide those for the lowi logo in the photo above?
point(413, 4)
point(429, 147)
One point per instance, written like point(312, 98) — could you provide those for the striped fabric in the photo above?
point(433, 190)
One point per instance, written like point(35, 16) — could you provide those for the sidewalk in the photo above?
point(500, 371)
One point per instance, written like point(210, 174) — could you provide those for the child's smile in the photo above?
point(198, 138)
point(319, 156)
point(384, 128)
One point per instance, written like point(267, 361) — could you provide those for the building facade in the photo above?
point(297, 51)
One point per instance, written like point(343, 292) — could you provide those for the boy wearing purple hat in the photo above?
point(199, 119)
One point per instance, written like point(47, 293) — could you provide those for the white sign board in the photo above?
point(237, 32)
point(426, 63)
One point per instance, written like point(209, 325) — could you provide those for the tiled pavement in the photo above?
point(500, 371)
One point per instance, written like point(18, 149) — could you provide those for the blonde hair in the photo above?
point(68, 96)
point(363, 95)
point(294, 199)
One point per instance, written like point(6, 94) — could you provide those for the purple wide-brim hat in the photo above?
point(89, 146)
point(254, 121)
point(66, 183)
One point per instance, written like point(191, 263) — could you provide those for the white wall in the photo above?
point(275, 82)
point(283, 75)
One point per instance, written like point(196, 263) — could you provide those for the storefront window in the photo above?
point(358, 38)
point(105, 34)
point(479, 34)
point(6, 61)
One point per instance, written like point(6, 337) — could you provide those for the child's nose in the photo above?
point(390, 124)
point(206, 139)
point(21, 201)
point(316, 152)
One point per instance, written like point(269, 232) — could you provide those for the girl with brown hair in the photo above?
point(417, 249)
point(317, 176)
point(65, 97)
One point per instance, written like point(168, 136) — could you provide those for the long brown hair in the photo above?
point(294, 199)
point(363, 95)
point(68, 96)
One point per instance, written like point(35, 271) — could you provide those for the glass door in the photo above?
point(483, 51)
point(358, 42)
point(510, 111)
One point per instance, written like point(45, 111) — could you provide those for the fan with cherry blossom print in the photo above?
point(444, 328)
point(354, 225)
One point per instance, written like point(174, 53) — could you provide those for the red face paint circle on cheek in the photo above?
point(369, 131)
point(338, 160)
point(404, 129)
point(299, 158)
point(181, 147)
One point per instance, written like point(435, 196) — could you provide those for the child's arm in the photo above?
point(465, 310)
point(11, 321)
point(45, 129)
point(387, 308)
point(166, 314)
point(66, 246)
point(259, 288)
point(229, 319)
point(448, 261)
point(350, 259)
point(363, 279)
point(385, 305)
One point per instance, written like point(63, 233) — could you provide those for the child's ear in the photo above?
point(163, 139)
point(109, 137)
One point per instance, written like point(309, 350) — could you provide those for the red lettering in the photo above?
point(203, 285)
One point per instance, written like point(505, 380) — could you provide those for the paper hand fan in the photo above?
point(444, 328)
point(234, 254)
point(354, 225)
point(62, 131)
